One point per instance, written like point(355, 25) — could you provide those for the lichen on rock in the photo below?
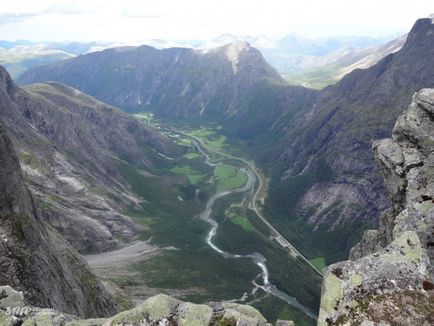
point(391, 268)
point(160, 310)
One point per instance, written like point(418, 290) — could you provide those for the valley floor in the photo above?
point(171, 255)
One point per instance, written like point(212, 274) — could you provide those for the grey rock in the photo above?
point(392, 268)
point(33, 257)
point(389, 155)
point(370, 243)
point(425, 99)
point(401, 266)
point(10, 298)
point(284, 323)
point(243, 314)
point(216, 306)
point(160, 310)
point(194, 314)
point(412, 190)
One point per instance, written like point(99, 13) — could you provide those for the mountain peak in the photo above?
point(421, 33)
point(6, 81)
point(242, 45)
point(236, 50)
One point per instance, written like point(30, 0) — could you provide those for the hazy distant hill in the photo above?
point(19, 56)
point(326, 70)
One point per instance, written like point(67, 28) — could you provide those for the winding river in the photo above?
point(257, 258)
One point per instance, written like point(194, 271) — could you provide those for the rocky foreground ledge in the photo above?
point(389, 279)
point(160, 310)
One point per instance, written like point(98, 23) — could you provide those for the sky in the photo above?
point(133, 20)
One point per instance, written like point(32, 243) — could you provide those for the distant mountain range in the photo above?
point(303, 61)
point(294, 53)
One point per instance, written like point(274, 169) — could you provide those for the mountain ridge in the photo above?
point(70, 146)
point(336, 133)
point(219, 83)
point(34, 257)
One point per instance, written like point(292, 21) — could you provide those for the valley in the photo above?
point(242, 257)
point(205, 164)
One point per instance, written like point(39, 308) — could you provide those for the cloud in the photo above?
point(131, 20)
point(8, 18)
point(128, 14)
point(20, 13)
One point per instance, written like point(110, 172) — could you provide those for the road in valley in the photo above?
point(252, 200)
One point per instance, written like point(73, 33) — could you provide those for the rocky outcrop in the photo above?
point(160, 310)
point(391, 277)
point(36, 259)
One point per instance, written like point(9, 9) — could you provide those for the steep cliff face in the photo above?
point(70, 146)
point(391, 276)
point(36, 259)
point(328, 147)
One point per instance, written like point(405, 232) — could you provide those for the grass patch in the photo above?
point(144, 116)
point(209, 138)
point(186, 170)
point(191, 155)
point(229, 177)
point(193, 176)
point(257, 223)
point(215, 144)
point(318, 262)
point(183, 142)
point(30, 160)
point(201, 133)
point(243, 222)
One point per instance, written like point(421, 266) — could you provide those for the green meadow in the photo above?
point(243, 222)
point(191, 155)
point(318, 262)
point(193, 176)
point(229, 177)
